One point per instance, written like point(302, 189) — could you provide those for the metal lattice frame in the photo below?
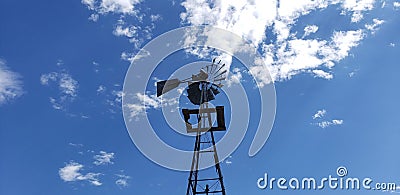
point(212, 185)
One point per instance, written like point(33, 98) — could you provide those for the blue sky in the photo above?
point(63, 64)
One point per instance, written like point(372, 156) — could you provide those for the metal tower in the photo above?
point(202, 88)
point(205, 143)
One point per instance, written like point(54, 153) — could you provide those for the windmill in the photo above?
point(202, 88)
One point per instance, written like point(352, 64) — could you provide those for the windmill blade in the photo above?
point(223, 72)
point(220, 68)
point(220, 79)
point(210, 96)
point(194, 93)
point(167, 85)
point(214, 90)
point(214, 68)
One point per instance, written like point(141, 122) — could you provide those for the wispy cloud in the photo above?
point(115, 100)
point(396, 4)
point(10, 84)
point(140, 25)
point(228, 160)
point(75, 145)
point(325, 124)
point(101, 89)
point(375, 25)
point(149, 102)
point(71, 172)
point(130, 57)
point(67, 87)
point(310, 29)
point(103, 158)
point(74, 172)
point(126, 7)
point(122, 180)
point(319, 114)
point(235, 77)
point(321, 121)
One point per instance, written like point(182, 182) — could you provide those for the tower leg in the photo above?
point(198, 185)
point(217, 166)
point(192, 184)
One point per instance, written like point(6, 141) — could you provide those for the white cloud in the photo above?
point(75, 145)
point(71, 172)
point(127, 56)
point(353, 73)
point(96, 66)
point(228, 160)
point(285, 56)
point(322, 122)
point(342, 42)
point(234, 78)
point(129, 31)
point(114, 99)
point(117, 98)
point(149, 102)
point(375, 25)
point(77, 172)
point(136, 34)
point(130, 57)
point(136, 109)
point(112, 6)
point(310, 29)
point(122, 180)
point(103, 158)
point(119, 6)
point(319, 114)
point(67, 87)
point(383, 4)
point(66, 84)
point(155, 17)
point(325, 124)
point(337, 122)
point(94, 17)
point(45, 78)
point(241, 16)
point(89, 3)
point(357, 7)
point(396, 4)
point(101, 89)
point(392, 44)
point(10, 84)
point(322, 74)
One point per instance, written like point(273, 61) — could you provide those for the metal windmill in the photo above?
point(202, 88)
